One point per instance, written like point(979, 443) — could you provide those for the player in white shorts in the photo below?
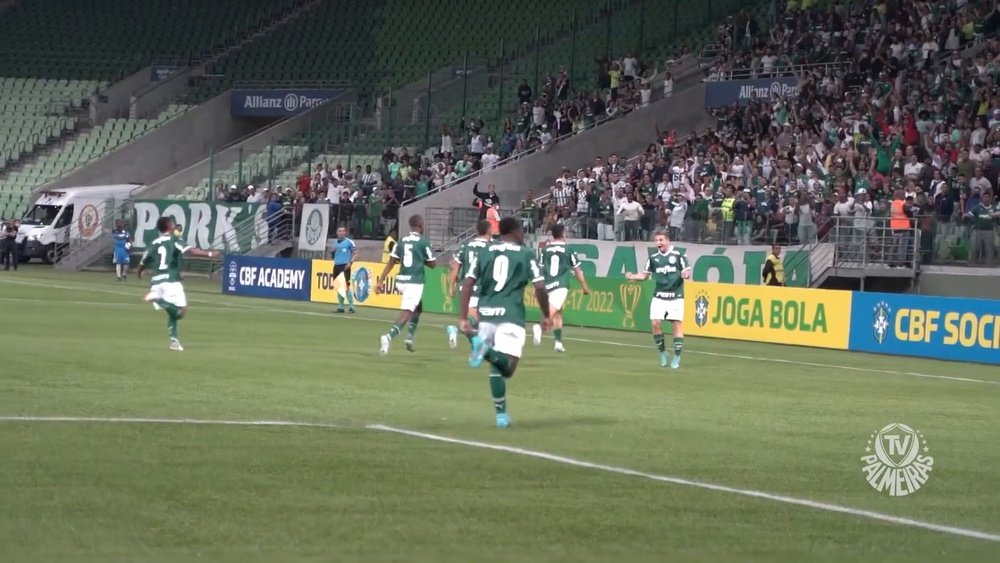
point(557, 261)
point(669, 268)
point(413, 253)
point(460, 264)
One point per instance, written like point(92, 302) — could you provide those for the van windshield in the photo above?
point(41, 215)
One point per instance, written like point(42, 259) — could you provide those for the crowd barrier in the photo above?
point(944, 328)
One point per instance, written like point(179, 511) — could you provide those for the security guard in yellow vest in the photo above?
point(388, 245)
point(774, 269)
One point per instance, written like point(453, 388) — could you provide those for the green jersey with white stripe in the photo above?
point(467, 255)
point(503, 270)
point(557, 262)
point(413, 252)
point(163, 257)
point(666, 268)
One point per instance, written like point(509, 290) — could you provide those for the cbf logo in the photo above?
point(362, 284)
point(314, 227)
point(881, 321)
point(897, 460)
point(701, 309)
point(233, 275)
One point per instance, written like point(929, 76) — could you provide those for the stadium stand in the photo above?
point(15, 187)
point(34, 111)
point(913, 130)
point(44, 38)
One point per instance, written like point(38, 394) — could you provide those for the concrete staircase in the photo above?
point(303, 8)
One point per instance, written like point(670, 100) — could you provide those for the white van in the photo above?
point(45, 228)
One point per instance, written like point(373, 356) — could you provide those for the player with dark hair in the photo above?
point(669, 268)
point(498, 276)
point(461, 262)
point(163, 257)
point(413, 253)
point(557, 261)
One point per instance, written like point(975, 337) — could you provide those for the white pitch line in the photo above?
point(223, 306)
point(816, 505)
point(143, 420)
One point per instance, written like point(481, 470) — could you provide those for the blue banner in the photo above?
point(728, 92)
point(946, 328)
point(277, 278)
point(277, 103)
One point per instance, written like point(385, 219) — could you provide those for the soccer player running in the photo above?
point(413, 253)
point(668, 268)
point(344, 253)
point(461, 263)
point(163, 257)
point(123, 244)
point(557, 262)
point(502, 271)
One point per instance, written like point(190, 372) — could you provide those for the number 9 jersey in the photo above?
point(502, 271)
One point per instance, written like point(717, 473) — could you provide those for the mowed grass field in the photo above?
point(752, 418)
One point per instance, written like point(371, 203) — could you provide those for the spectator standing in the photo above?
point(984, 218)
point(333, 198)
point(900, 212)
point(489, 159)
point(524, 93)
point(631, 212)
point(861, 210)
point(252, 195)
point(743, 212)
point(447, 144)
point(807, 223)
point(678, 211)
point(486, 199)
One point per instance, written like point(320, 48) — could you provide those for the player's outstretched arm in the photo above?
point(380, 283)
point(453, 278)
point(463, 305)
point(200, 253)
point(542, 297)
point(641, 276)
point(582, 280)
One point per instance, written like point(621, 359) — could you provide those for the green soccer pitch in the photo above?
point(749, 452)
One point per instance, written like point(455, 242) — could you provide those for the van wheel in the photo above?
point(52, 253)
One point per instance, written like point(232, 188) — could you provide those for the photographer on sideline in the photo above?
point(9, 252)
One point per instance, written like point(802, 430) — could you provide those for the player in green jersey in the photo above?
point(413, 253)
point(668, 268)
point(460, 264)
point(501, 271)
point(163, 258)
point(557, 262)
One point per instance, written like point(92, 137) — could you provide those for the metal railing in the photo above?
point(780, 70)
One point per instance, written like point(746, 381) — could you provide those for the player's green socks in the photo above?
point(498, 387)
point(678, 345)
point(169, 307)
point(172, 325)
point(394, 330)
point(500, 361)
point(557, 332)
point(411, 327)
point(660, 344)
point(474, 324)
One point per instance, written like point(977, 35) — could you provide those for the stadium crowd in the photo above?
point(905, 130)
